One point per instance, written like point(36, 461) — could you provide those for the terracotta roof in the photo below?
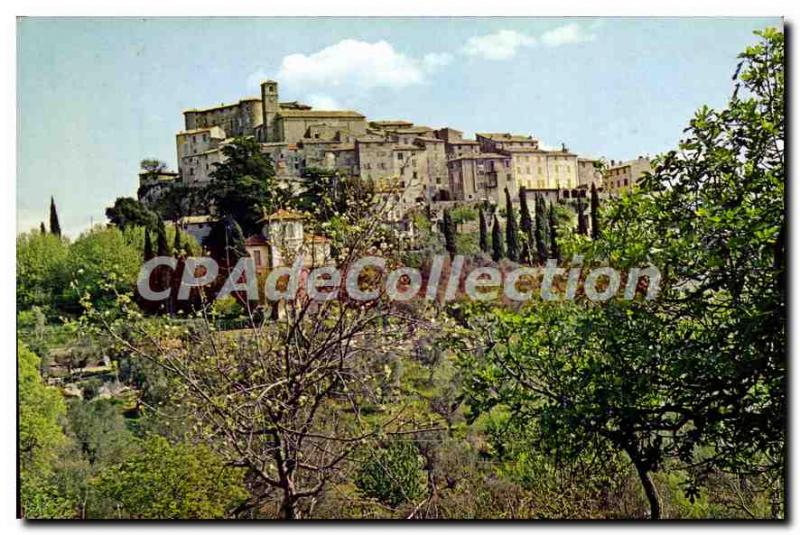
point(284, 215)
point(505, 136)
point(256, 240)
point(319, 113)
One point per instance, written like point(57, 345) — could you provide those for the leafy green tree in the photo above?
point(128, 211)
point(497, 241)
point(40, 265)
point(101, 263)
point(512, 234)
point(41, 438)
point(696, 377)
point(98, 429)
point(243, 185)
point(392, 474)
point(55, 226)
point(449, 231)
point(166, 481)
point(484, 231)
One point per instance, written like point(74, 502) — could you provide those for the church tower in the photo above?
point(270, 108)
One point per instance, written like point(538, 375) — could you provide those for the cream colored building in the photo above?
point(622, 176)
point(541, 169)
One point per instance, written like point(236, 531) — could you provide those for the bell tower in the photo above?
point(270, 108)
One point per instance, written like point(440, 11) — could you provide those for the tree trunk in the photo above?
point(650, 491)
point(287, 509)
point(647, 483)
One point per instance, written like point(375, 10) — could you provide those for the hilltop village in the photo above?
point(423, 166)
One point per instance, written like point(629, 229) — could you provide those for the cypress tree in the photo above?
point(55, 226)
point(497, 241)
point(148, 246)
point(177, 245)
point(41, 228)
point(541, 229)
point(525, 254)
point(161, 239)
point(595, 209)
point(484, 231)
point(583, 227)
point(526, 225)
point(555, 250)
point(525, 222)
point(449, 233)
point(512, 238)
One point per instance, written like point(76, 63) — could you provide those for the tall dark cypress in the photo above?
point(541, 229)
point(497, 241)
point(484, 231)
point(595, 209)
point(148, 246)
point(526, 225)
point(55, 226)
point(162, 247)
point(512, 235)
point(555, 250)
point(583, 226)
point(448, 229)
point(177, 246)
point(41, 228)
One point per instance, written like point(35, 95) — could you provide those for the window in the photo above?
point(257, 257)
point(400, 156)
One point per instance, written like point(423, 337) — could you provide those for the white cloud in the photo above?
point(359, 64)
point(322, 102)
point(497, 46)
point(505, 44)
point(434, 60)
point(566, 35)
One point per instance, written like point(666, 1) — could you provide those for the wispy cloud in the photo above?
point(499, 45)
point(566, 35)
point(505, 44)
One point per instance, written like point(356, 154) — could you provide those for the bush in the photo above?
point(392, 474)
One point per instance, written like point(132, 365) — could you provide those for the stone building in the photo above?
point(481, 177)
point(622, 176)
point(283, 238)
point(589, 173)
point(413, 165)
point(198, 149)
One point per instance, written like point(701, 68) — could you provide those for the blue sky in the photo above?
point(95, 96)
